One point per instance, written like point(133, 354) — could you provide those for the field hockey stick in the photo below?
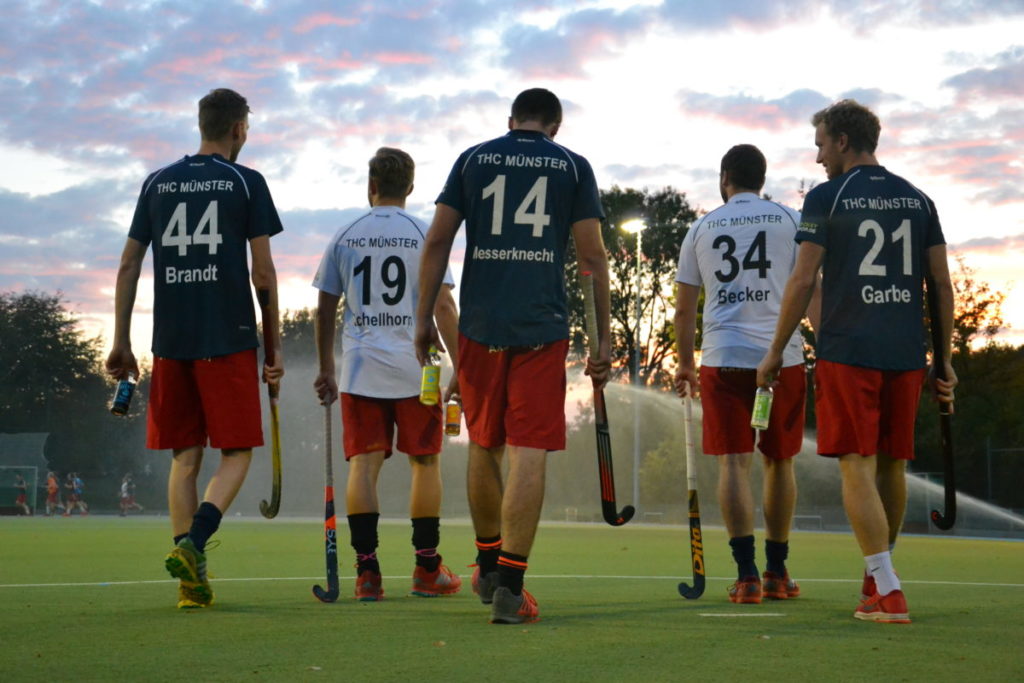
point(696, 542)
point(604, 439)
point(269, 510)
point(330, 525)
point(946, 519)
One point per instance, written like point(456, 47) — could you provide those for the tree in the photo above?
point(978, 310)
point(668, 215)
point(43, 357)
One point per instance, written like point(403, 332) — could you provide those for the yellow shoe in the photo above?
point(194, 595)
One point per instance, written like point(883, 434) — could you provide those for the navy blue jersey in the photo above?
point(520, 195)
point(876, 229)
point(199, 213)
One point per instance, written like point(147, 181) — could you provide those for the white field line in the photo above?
point(467, 576)
point(741, 615)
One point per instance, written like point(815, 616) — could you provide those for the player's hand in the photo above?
point(599, 369)
point(768, 370)
point(121, 362)
point(426, 336)
point(943, 388)
point(326, 388)
point(272, 374)
point(452, 391)
point(686, 381)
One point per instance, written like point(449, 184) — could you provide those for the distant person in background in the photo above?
point(741, 255)
point(76, 486)
point(127, 496)
point(52, 494)
point(373, 263)
point(21, 500)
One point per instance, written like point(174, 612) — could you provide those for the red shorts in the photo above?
point(21, 499)
point(866, 411)
point(727, 398)
point(369, 425)
point(51, 497)
point(514, 395)
point(218, 399)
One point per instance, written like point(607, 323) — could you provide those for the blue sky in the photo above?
point(94, 95)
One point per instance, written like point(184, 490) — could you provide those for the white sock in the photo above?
point(880, 567)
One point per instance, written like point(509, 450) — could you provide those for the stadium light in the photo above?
point(636, 227)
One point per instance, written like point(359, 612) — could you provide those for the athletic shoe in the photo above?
point(441, 581)
point(191, 598)
point(188, 565)
point(508, 608)
point(777, 587)
point(885, 609)
point(368, 588)
point(746, 591)
point(484, 585)
point(868, 588)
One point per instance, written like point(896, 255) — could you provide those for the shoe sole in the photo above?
point(745, 601)
point(432, 594)
point(882, 617)
point(515, 620)
point(178, 567)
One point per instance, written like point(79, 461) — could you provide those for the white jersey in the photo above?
point(373, 263)
point(742, 254)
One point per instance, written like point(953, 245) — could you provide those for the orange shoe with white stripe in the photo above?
point(884, 609)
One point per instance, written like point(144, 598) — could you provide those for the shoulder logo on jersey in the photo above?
point(808, 227)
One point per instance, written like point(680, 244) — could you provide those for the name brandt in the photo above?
point(176, 276)
point(383, 320)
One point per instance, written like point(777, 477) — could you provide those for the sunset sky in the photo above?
point(94, 95)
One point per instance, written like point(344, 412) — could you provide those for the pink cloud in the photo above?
point(320, 20)
point(403, 58)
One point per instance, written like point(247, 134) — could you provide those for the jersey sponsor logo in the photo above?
point(808, 227)
point(540, 255)
point(882, 203)
point(890, 295)
point(748, 294)
point(195, 186)
point(178, 276)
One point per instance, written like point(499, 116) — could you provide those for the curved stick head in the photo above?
point(944, 522)
point(329, 595)
point(268, 510)
point(623, 517)
point(692, 592)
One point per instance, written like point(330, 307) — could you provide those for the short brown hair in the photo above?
point(537, 104)
point(393, 170)
point(220, 109)
point(859, 123)
point(745, 167)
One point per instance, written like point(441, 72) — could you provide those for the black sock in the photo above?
point(510, 571)
point(179, 537)
point(776, 553)
point(204, 524)
point(363, 528)
point(743, 553)
point(426, 536)
point(487, 550)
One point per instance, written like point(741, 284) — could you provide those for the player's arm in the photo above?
point(938, 274)
point(433, 261)
point(264, 279)
point(685, 324)
point(446, 315)
point(814, 307)
point(325, 324)
point(795, 299)
point(121, 360)
point(592, 258)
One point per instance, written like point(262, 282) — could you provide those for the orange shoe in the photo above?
point(868, 588)
point(777, 587)
point(508, 608)
point(746, 591)
point(441, 581)
point(885, 609)
point(484, 585)
point(368, 588)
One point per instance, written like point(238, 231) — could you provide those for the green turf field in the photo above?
point(88, 599)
